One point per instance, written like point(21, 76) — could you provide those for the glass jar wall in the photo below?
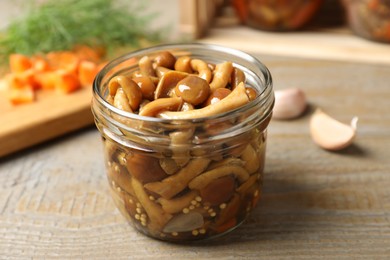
point(183, 179)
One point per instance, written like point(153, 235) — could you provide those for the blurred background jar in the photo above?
point(276, 15)
point(369, 18)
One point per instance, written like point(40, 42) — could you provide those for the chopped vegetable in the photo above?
point(64, 71)
point(21, 95)
point(19, 63)
point(87, 72)
point(67, 81)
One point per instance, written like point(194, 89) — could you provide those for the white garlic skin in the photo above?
point(289, 103)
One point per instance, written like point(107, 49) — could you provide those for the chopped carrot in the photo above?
point(46, 79)
point(88, 53)
point(40, 63)
point(64, 60)
point(66, 81)
point(65, 71)
point(19, 63)
point(21, 79)
point(21, 95)
point(87, 72)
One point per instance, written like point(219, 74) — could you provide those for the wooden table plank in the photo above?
point(54, 199)
point(52, 115)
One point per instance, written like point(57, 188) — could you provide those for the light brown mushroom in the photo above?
point(165, 59)
point(205, 178)
point(121, 101)
point(131, 89)
point(145, 65)
point(169, 165)
point(155, 107)
point(183, 64)
point(250, 156)
point(192, 89)
point(234, 100)
point(158, 217)
point(222, 74)
point(179, 140)
point(172, 185)
point(167, 84)
point(237, 77)
point(187, 106)
point(147, 86)
point(227, 161)
point(251, 93)
point(202, 68)
point(176, 205)
point(217, 95)
point(244, 187)
point(160, 71)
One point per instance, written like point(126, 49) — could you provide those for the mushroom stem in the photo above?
point(222, 74)
point(234, 100)
point(202, 180)
point(172, 185)
point(156, 106)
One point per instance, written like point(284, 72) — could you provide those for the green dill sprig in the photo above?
point(61, 24)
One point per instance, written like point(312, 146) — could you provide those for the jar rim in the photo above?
point(264, 95)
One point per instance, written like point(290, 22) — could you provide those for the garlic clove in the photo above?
point(184, 222)
point(289, 103)
point(331, 134)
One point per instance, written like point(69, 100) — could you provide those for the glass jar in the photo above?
point(369, 19)
point(185, 179)
point(276, 15)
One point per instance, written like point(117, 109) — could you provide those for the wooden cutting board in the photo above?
point(52, 115)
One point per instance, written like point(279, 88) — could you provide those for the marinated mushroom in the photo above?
point(167, 84)
point(160, 71)
point(183, 64)
point(202, 68)
point(174, 184)
point(165, 59)
point(192, 89)
point(147, 86)
point(121, 101)
point(130, 88)
point(236, 77)
point(177, 204)
point(146, 67)
point(187, 189)
point(234, 100)
point(217, 95)
point(156, 106)
point(201, 181)
point(222, 75)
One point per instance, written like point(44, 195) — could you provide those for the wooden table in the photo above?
point(54, 199)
